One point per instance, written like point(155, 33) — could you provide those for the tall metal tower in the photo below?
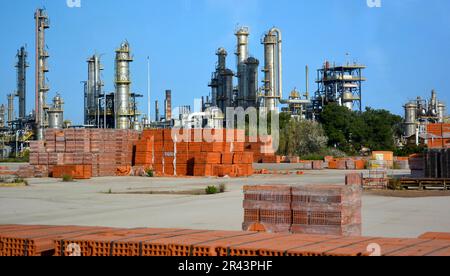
point(122, 98)
point(94, 87)
point(2, 116)
point(22, 66)
point(42, 23)
point(242, 56)
point(222, 82)
point(273, 69)
point(10, 108)
point(341, 85)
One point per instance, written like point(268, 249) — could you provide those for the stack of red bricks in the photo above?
point(441, 133)
point(82, 153)
point(36, 240)
point(327, 210)
point(267, 208)
point(312, 209)
point(262, 148)
point(194, 152)
point(346, 163)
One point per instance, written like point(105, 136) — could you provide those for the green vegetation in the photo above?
point(211, 190)
point(25, 158)
point(67, 178)
point(408, 150)
point(304, 138)
point(149, 173)
point(351, 131)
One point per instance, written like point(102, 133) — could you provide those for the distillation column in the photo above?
point(123, 111)
point(2, 116)
point(168, 106)
point(252, 65)
point(273, 82)
point(42, 23)
point(56, 113)
point(22, 66)
point(242, 56)
point(93, 91)
point(10, 108)
point(157, 117)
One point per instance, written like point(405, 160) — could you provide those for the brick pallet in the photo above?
point(188, 154)
point(99, 151)
point(35, 240)
point(311, 209)
point(346, 163)
point(268, 207)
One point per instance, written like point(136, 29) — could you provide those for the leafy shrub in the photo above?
point(67, 178)
point(211, 190)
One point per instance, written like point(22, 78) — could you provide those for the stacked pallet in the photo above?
point(312, 209)
point(99, 241)
point(268, 208)
point(378, 180)
point(327, 210)
point(437, 163)
point(194, 152)
point(416, 163)
point(401, 163)
point(37, 240)
point(346, 164)
point(82, 153)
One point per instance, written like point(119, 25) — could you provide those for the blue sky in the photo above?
point(405, 44)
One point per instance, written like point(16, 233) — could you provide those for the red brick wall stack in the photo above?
point(312, 209)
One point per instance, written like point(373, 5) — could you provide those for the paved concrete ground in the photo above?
point(49, 201)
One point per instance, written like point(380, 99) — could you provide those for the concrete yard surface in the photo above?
point(129, 202)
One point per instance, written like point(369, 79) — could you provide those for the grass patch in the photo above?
point(211, 190)
point(149, 173)
point(67, 178)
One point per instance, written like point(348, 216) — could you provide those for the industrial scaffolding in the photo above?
point(339, 84)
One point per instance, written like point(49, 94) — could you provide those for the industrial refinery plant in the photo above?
point(420, 113)
point(243, 87)
point(161, 132)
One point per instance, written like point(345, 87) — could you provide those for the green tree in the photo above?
point(301, 137)
point(350, 131)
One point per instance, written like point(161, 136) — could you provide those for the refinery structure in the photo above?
point(255, 83)
point(306, 169)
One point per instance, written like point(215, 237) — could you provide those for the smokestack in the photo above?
point(21, 80)
point(157, 118)
point(168, 105)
